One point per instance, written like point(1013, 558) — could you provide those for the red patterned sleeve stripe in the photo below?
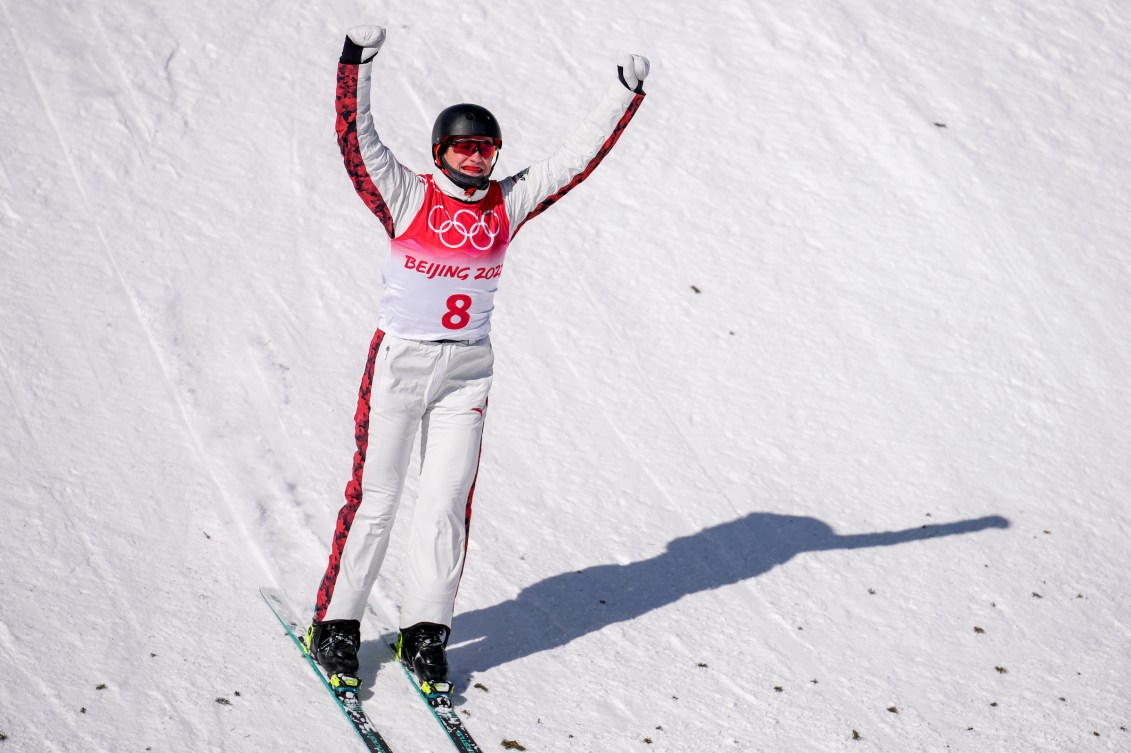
point(604, 150)
point(351, 150)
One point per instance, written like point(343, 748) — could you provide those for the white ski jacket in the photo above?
point(443, 268)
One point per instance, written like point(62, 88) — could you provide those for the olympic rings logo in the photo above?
point(465, 227)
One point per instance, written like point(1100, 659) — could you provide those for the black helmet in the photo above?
point(464, 121)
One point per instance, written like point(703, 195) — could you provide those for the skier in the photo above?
point(430, 361)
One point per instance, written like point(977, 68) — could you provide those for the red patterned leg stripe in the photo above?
point(467, 509)
point(353, 488)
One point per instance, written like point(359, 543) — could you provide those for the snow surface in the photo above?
point(810, 423)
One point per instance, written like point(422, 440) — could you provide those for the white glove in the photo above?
point(633, 69)
point(363, 43)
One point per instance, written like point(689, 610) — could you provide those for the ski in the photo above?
point(345, 696)
point(436, 696)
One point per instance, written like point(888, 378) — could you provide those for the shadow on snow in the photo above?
point(565, 607)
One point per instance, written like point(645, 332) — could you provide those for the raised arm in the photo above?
point(534, 189)
point(390, 190)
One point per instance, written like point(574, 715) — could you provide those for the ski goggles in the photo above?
point(468, 147)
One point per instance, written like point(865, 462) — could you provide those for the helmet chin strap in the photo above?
point(469, 183)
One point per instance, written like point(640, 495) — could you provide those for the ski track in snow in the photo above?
point(129, 116)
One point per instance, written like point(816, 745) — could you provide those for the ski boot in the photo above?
point(333, 644)
point(422, 649)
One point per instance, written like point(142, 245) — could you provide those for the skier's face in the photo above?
point(472, 157)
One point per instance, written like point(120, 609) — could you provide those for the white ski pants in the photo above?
point(440, 388)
